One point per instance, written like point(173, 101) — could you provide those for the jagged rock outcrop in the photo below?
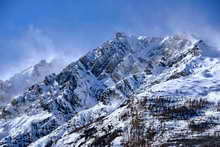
point(128, 86)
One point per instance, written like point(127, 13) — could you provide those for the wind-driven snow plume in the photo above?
point(36, 45)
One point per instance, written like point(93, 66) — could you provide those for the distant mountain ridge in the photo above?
point(31, 75)
point(130, 91)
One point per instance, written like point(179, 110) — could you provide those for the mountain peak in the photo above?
point(96, 100)
point(120, 35)
point(17, 84)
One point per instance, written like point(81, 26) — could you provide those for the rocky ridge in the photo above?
point(152, 87)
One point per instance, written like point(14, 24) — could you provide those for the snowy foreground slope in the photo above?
point(131, 91)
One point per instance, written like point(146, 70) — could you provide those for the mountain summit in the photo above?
point(130, 91)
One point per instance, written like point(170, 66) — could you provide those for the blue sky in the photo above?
point(31, 30)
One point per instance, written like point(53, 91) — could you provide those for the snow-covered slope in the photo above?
point(19, 82)
point(131, 91)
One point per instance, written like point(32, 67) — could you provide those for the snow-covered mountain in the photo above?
point(131, 91)
point(19, 82)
